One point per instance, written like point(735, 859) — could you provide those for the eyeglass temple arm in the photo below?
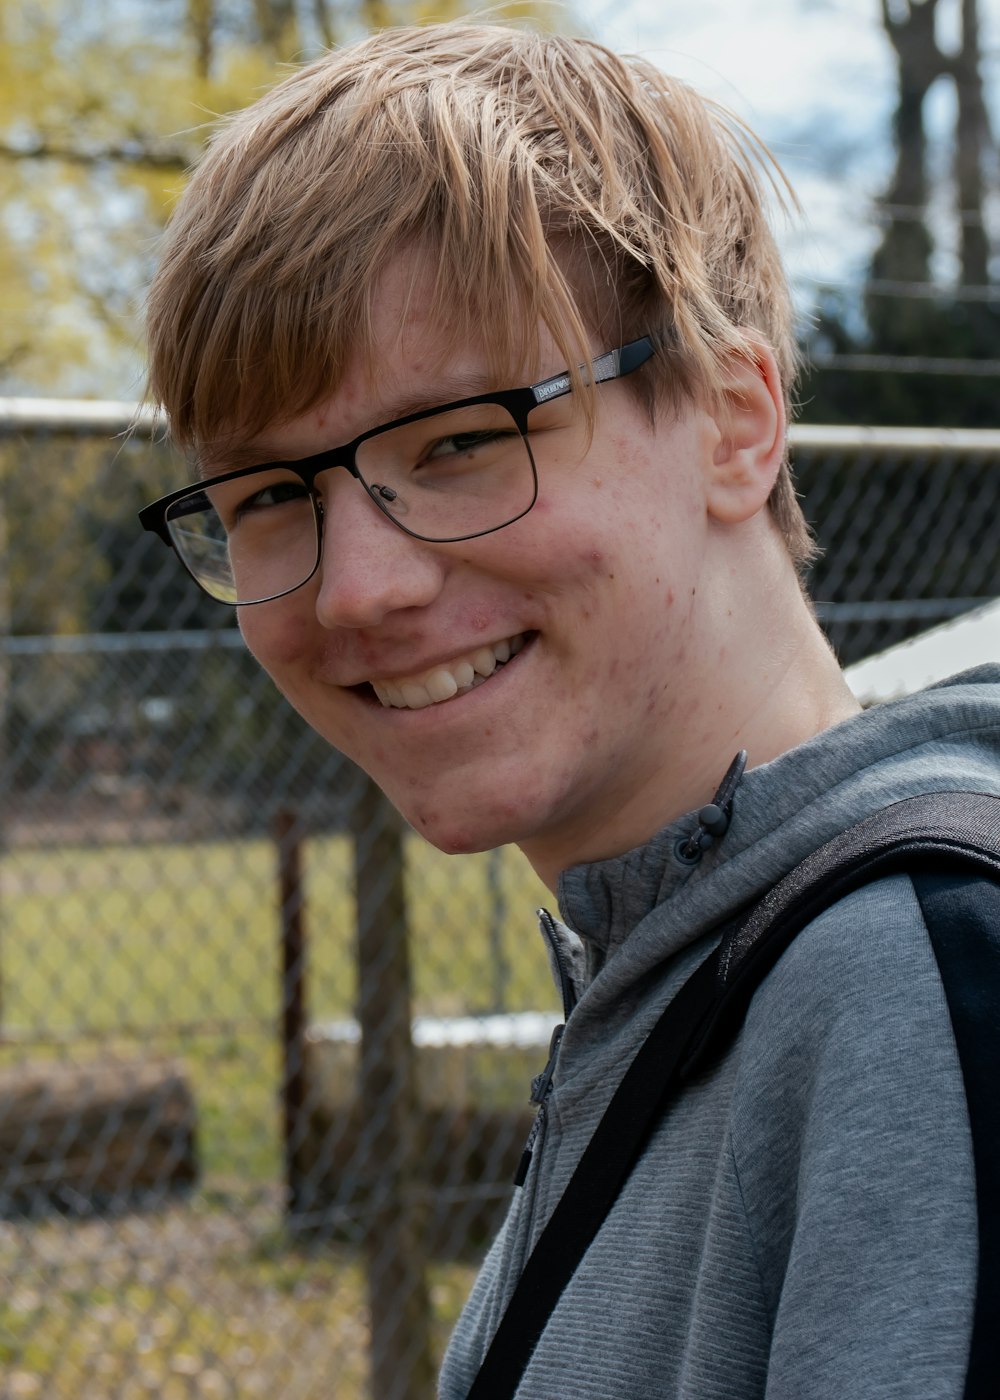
point(611, 365)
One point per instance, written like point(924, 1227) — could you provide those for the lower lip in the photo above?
point(458, 705)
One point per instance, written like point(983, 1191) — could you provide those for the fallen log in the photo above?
point(86, 1138)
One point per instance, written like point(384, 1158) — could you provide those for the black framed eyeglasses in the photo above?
point(446, 474)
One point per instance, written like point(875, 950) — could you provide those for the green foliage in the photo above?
point(97, 125)
point(103, 108)
point(73, 545)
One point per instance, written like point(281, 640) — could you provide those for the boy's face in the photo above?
point(597, 590)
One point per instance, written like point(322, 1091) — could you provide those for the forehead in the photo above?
point(408, 359)
point(414, 341)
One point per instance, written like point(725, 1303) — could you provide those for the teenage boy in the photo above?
point(524, 293)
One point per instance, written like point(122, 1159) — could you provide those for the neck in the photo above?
point(767, 683)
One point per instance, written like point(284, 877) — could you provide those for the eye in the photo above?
point(460, 444)
point(276, 493)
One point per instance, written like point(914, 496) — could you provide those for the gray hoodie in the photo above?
point(802, 1225)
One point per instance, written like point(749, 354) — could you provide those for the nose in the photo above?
point(369, 567)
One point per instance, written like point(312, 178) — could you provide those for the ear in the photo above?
point(751, 444)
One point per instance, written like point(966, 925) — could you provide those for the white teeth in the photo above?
point(441, 685)
point(484, 661)
point(444, 682)
point(464, 674)
point(416, 696)
point(388, 693)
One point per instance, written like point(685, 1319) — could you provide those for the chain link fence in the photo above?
point(265, 1056)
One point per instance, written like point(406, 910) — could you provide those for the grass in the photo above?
point(174, 950)
point(188, 1303)
point(156, 937)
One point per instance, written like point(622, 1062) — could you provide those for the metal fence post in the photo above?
point(294, 1011)
point(401, 1362)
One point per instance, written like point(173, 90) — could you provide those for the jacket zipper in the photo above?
point(548, 927)
point(541, 1085)
point(541, 1088)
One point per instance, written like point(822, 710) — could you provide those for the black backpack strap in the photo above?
point(938, 831)
point(962, 915)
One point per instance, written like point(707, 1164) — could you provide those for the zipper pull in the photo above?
point(541, 1087)
point(521, 1175)
point(542, 1083)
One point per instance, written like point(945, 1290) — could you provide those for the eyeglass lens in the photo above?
point(445, 476)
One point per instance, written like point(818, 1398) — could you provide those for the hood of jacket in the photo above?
point(632, 913)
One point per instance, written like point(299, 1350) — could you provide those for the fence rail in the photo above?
point(194, 1198)
point(111, 417)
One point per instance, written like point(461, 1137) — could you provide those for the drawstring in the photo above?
point(713, 820)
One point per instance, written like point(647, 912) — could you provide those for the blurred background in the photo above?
point(264, 1057)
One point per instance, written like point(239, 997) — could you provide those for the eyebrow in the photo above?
point(451, 389)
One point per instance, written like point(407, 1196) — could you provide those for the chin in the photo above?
point(461, 833)
point(456, 839)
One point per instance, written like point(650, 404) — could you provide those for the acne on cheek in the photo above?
point(657, 691)
point(660, 704)
point(595, 559)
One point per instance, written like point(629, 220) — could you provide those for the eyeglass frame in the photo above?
point(611, 365)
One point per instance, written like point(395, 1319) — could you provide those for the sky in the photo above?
point(814, 78)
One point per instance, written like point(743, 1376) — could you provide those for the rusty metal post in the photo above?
point(294, 1015)
point(401, 1361)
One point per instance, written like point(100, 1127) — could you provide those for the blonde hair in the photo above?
point(552, 181)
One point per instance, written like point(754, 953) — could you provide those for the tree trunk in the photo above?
point(201, 22)
point(904, 253)
point(971, 144)
point(277, 27)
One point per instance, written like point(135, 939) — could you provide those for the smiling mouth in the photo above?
point(444, 682)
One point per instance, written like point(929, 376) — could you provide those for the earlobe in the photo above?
point(751, 444)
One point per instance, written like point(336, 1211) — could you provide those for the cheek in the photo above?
point(276, 636)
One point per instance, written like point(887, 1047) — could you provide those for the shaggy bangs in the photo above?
point(538, 180)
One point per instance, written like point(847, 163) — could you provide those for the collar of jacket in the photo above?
point(942, 738)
